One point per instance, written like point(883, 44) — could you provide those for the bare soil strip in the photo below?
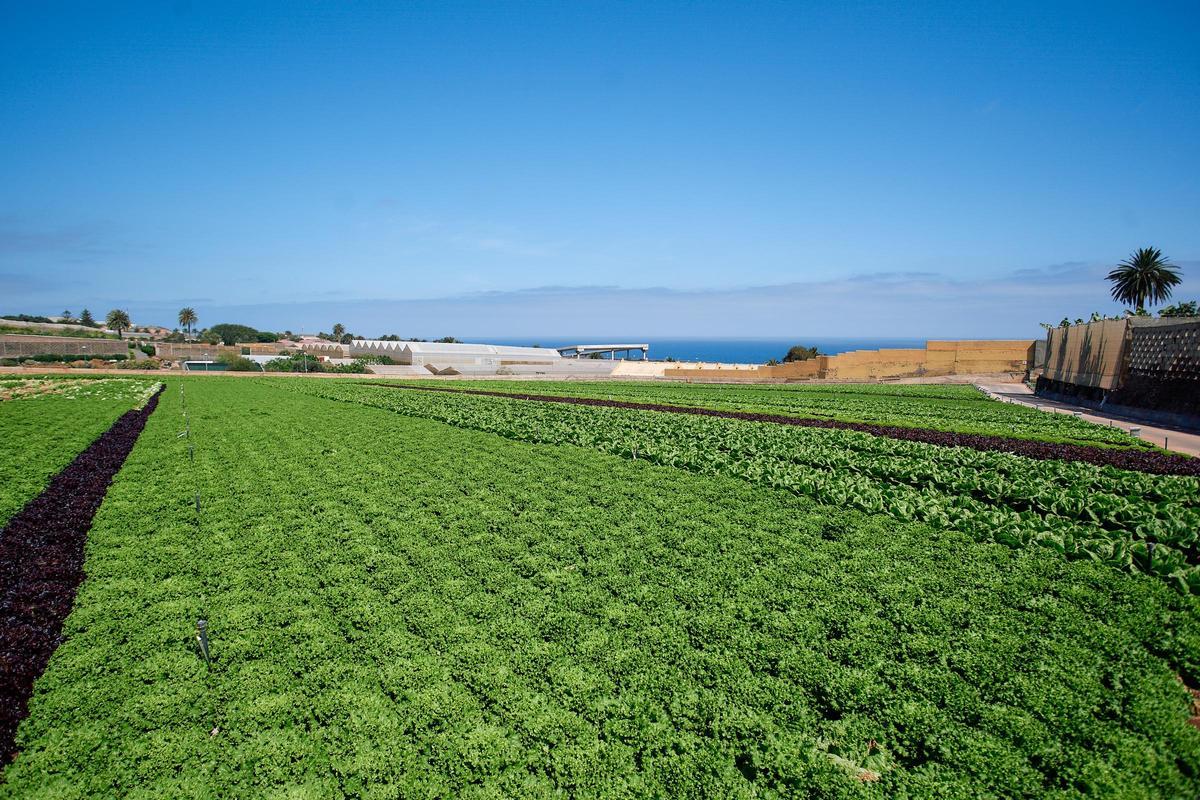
point(1136, 460)
point(41, 565)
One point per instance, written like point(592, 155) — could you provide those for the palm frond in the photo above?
point(1145, 277)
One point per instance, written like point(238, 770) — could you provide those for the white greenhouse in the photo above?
point(442, 354)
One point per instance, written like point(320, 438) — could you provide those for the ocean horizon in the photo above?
point(741, 351)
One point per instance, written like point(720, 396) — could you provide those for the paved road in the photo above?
point(1175, 440)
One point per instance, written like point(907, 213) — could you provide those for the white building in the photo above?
point(441, 355)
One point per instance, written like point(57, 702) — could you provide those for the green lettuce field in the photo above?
point(46, 422)
point(427, 594)
point(960, 409)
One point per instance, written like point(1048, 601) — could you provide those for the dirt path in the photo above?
point(1166, 438)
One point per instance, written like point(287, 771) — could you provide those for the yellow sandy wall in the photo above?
point(936, 358)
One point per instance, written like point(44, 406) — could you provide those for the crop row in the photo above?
point(1140, 460)
point(41, 564)
point(958, 409)
point(45, 423)
point(1123, 518)
point(399, 608)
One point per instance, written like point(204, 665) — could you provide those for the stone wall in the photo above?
point(1138, 362)
point(16, 345)
point(1104, 354)
point(180, 351)
point(1165, 349)
point(979, 356)
point(875, 364)
point(1163, 372)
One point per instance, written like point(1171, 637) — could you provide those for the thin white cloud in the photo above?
point(896, 304)
point(878, 304)
point(18, 284)
point(18, 239)
point(475, 237)
point(509, 247)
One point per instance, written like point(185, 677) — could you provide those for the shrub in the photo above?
point(357, 367)
point(295, 362)
point(131, 364)
point(800, 353)
point(1188, 309)
point(298, 363)
point(232, 333)
point(237, 363)
point(74, 333)
point(26, 318)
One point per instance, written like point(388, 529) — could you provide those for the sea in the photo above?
point(733, 351)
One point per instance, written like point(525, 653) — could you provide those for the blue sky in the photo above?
point(512, 169)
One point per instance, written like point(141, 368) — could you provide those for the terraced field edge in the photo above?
point(41, 565)
point(1155, 463)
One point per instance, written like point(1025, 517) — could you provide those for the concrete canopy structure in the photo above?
point(581, 350)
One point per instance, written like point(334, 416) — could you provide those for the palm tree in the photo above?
point(339, 330)
point(188, 318)
point(66, 315)
point(118, 320)
point(1146, 276)
point(800, 353)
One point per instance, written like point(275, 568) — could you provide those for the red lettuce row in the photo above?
point(1153, 462)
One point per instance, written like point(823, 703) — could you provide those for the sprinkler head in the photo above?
point(202, 639)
